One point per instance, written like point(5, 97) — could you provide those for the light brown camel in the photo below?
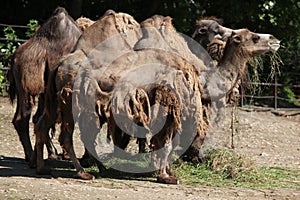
point(241, 45)
point(32, 62)
point(221, 80)
point(84, 22)
point(207, 30)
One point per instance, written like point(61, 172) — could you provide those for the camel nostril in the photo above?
point(272, 37)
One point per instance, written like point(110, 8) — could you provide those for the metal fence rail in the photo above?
point(275, 97)
point(5, 69)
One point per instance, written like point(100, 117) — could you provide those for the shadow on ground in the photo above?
point(12, 166)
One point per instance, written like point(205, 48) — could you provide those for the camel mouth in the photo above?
point(274, 45)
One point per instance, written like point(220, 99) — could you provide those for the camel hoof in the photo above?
point(27, 159)
point(168, 180)
point(54, 157)
point(84, 176)
point(86, 162)
point(32, 164)
point(43, 171)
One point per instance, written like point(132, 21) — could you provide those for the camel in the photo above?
point(109, 37)
point(32, 62)
point(110, 92)
point(84, 22)
point(230, 66)
point(207, 30)
point(221, 80)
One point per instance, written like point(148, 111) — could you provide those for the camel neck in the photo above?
point(233, 62)
point(223, 78)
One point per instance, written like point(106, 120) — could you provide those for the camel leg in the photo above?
point(88, 160)
point(142, 145)
point(52, 152)
point(90, 125)
point(66, 141)
point(163, 147)
point(165, 174)
point(41, 129)
point(120, 139)
point(21, 124)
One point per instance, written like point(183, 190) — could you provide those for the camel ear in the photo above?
point(236, 38)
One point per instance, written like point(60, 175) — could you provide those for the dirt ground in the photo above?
point(270, 138)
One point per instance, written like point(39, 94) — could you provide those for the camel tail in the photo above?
point(12, 84)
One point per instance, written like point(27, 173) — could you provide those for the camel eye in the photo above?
point(255, 38)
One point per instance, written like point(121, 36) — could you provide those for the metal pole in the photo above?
point(275, 92)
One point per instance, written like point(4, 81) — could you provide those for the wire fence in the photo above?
point(275, 100)
point(4, 69)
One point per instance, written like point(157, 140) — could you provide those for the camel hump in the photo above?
point(84, 22)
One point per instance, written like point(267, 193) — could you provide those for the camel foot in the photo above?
point(32, 161)
point(84, 176)
point(54, 157)
point(43, 170)
point(32, 164)
point(168, 180)
point(27, 159)
point(87, 162)
point(101, 167)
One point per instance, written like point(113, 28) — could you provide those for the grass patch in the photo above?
point(227, 168)
point(221, 168)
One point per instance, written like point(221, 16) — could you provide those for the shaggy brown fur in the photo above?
point(240, 47)
point(32, 63)
point(83, 23)
point(177, 102)
point(110, 36)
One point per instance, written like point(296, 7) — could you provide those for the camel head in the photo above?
point(254, 43)
point(60, 23)
point(208, 29)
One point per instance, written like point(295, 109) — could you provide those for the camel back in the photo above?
point(108, 26)
point(159, 33)
point(83, 23)
point(55, 38)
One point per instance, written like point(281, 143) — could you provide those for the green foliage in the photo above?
point(286, 92)
point(33, 24)
point(2, 79)
point(228, 163)
point(7, 49)
point(227, 168)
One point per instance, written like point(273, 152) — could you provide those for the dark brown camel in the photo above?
point(32, 62)
point(100, 44)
